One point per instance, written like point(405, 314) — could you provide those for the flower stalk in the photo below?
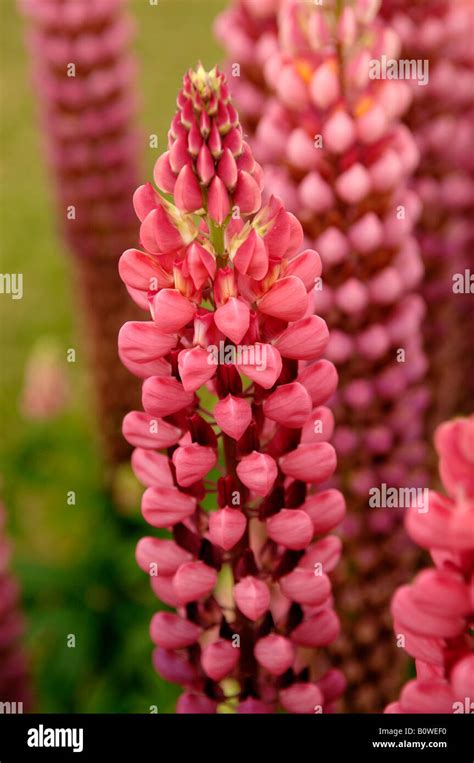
point(244, 565)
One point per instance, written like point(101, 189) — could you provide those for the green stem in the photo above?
point(217, 236)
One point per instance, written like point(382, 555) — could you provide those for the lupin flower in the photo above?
point(332, 145)
point(233, 383)
point(14, 679)
point(434, 614)
point(46, 390)
point(438, 35)
point(83, 72)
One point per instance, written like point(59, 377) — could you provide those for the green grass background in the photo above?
point(75, 563)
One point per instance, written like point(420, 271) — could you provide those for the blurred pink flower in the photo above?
point(46, 390)
point(331, 140)
point(14, 676)
point(83, 73)
point(434, 613)
point(441, 116)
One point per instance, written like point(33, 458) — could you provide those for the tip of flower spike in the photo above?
point(206, 88)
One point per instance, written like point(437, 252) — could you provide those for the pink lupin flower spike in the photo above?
point(333, 146)
point(433, 615)
point(228, 391)
point(439, 36)
point(14, 677)
point(83, 73)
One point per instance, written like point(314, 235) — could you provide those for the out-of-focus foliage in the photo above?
point(76, 562)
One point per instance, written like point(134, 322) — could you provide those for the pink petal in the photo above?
point(227, 169)
point(303, 698)
point(165, 506)
point(326, 510)
point(163, 175)
point(325, 552)
point(193, 581)
point(195, 368)
point(172, 310)
point(354, 184)
point(312, 463)
point(192, 463)
point(145, 431)
point(219, 659)
point(320, 629)
point(247, 194)
point(304, 340)
point(408, 614)
point(187, 192)
point(172, 632)
point(275, 653)
point(324, 418)
point(233, 319)
point(427, 697)
point(265, 364)
point(233, 415)
point(201, 264)
point(205, 165)
point(164, 396)
point(258, 472)
point(305, 587)
point(218, 201)
point(194, 704)
point(140, 271)
point(306, 266)
point(145, 199)
point(324, 86)
point(320, 380)
point(226, 527)
point(252, 597)
point(141, 347)
point(287, 299)
point(290, 528)
point(339, 132)
point(289, 405)
point(173, 666)
point(165, 554)
point(151, 468)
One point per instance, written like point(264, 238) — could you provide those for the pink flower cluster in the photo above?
point(333, 146)
point(248, 30)
point(233, 388)
point(435, 613)
point(441, 117)
point(13, 668)
point(83, 73)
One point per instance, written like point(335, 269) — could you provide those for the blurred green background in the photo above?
point(76, 563)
